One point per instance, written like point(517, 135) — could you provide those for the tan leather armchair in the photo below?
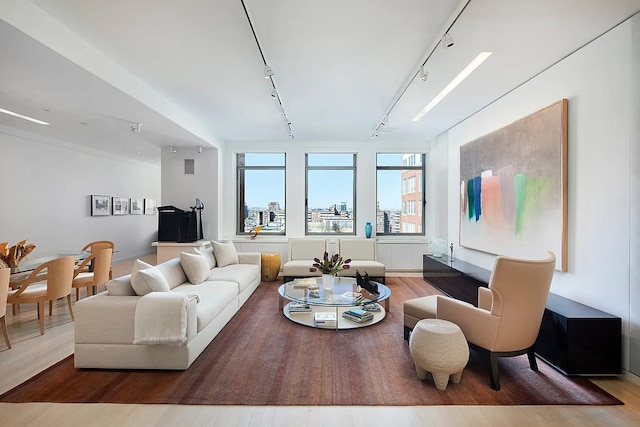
point(507, 320)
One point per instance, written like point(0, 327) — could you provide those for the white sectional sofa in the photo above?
point(163, 317)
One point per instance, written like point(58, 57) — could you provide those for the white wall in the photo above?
point(600, 87)
point(634, 294)
point(181, 190)
point(46, 197)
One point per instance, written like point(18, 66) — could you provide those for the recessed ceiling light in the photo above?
point(452, 85)
point(31, 119)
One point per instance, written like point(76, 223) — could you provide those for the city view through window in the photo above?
point(330, 193)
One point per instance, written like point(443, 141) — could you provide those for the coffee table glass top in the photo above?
point(344, 293)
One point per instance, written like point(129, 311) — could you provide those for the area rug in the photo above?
point(262, 358)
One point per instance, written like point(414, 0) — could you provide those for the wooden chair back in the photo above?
point(59, 277)
point(5, 274)
point(98, 245)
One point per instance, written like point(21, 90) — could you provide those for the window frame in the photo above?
point(239, 186)
point(419, 208)
point(307, 168)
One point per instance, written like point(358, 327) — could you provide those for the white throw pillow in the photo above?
point(225, 253)
point(208, 254)
point(120, 287)
point(140, 265)
point(148, 280)
point(195, 266)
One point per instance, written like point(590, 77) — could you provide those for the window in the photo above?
point(260, 192)
point(400, 198)
point(330, 193)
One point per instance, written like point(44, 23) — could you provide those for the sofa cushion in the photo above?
point(149, 280)
point(242, 274)
point(214, 298)
point(195, 266)
point(120, 286)
point(173, 272)
point(208, 254)
point(225, 253)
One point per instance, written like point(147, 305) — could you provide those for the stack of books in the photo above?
point(298, 307)
point(371, 307)
point(357, 315)
point(325, 318)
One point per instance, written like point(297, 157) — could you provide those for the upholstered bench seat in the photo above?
point(417, 309)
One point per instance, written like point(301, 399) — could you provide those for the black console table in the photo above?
point(579, 340)
point(456, 278)
point(574, 338)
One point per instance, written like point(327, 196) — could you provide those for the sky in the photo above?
point(326, 188)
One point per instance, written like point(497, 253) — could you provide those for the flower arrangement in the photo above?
point(11, 257)
point(330, 265)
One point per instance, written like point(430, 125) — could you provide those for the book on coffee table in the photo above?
point(325, 318)
point(298, 307)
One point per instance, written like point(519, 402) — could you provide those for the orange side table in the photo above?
point(270, 266)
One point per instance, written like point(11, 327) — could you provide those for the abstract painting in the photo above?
point(513, 187)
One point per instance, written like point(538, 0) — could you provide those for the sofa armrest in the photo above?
point(250, 258)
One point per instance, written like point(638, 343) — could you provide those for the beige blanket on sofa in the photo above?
point(161, 319)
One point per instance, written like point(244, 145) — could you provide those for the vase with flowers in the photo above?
point(330, 267)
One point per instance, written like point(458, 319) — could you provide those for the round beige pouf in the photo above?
point(439, 346)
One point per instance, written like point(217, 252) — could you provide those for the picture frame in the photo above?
point(120, 205)
point(136, 206)
point(513, 187)
point(100, 205)
point(150, 206)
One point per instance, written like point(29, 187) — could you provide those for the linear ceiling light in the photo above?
point(31, 119)
point(452, 85)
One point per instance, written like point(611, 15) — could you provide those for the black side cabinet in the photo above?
point(579, 340)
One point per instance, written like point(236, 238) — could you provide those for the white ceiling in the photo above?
point(192, 74)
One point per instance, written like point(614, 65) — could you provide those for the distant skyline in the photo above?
point(263, 187)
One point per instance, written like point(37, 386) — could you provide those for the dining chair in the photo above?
point(96, 246)
point(5, 274)
point(91, 280)
point(38, 289)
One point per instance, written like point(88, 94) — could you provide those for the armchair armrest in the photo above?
point(478, 325)
point(485, 298)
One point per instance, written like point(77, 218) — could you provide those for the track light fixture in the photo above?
point(173, 150)
point(200, 150)
point(447, 40)
point(136, 127)
point(423, 74)
point(268, 72)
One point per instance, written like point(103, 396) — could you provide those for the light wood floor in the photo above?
point(31, 353)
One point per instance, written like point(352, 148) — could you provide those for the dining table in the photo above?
point(27, 265)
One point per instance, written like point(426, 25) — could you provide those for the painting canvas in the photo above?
point(513, 187)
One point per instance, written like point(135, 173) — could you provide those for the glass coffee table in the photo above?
point(323, 303)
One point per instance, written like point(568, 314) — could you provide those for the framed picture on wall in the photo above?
point(149, 206)
point(513, 187)
point(120, 205)
point(100, 205)
point(136, 206)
